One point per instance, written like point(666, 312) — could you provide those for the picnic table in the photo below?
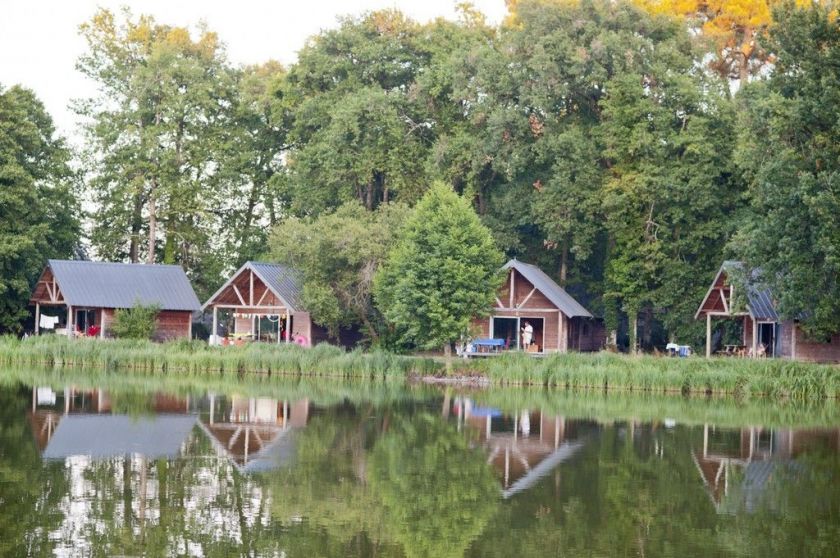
point(488, 345)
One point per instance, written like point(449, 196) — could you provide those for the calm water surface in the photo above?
point(103, 470)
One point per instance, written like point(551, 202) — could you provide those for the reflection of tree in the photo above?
point(383, 482)
point(29, 489)
point(327, 487)
point(797, 514)
point(618, 497)
point(436, 492)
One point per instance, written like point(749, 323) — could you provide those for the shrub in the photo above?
point(137, 322)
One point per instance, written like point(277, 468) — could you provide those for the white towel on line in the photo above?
point(48, 322)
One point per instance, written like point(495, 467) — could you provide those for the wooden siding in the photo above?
point(172, 324)
point(241, 287)
point(812, 350)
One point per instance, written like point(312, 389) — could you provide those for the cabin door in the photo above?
point(506, 329)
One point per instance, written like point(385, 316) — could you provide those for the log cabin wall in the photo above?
point(172, 324)
point(813, 350)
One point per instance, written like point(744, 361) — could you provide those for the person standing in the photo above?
point(527, 335)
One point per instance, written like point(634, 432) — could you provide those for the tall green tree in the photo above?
point(153, 134)
point(442, 273)
point(671, 199)
point(789, 153)
point(251, 175)
point(39, 211)
point(338, 254)
point(358, 134)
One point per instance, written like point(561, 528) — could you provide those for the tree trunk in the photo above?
point(634, 332)
point(564, 262)
point(369, 196)
point(136, 225)
point(447, 353)
point(150, 258)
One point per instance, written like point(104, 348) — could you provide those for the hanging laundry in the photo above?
point(48, 322)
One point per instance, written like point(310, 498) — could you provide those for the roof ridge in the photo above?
point(138, 264)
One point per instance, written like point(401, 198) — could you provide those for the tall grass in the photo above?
point(723, 411)
point(743, 378)
point(603, 371)
point(194, 357)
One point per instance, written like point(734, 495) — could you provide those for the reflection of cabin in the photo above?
point(263, 301)
point(80, 422)
point(763, 331)
point(737, 465)
point(559, 321)
point(84, 296)
point(254, 433)
point(523, 447)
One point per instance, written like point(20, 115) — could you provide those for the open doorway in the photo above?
point(538, 337)
point(506, 329)
point(767, 337)
point(509, 330)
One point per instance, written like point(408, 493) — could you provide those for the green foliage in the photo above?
point(442, 272)
point(196, 357)
point(338, 254)
point(606, 371)
point(137, 322)
point(789, 152)
point(39, 215)
point(452, 491)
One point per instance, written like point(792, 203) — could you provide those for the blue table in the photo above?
point(490, 344)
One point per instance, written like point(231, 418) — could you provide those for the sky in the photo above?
point(39, 41)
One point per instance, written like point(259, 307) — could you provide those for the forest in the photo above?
point(627, 148)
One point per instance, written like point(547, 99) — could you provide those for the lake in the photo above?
point(99, 464)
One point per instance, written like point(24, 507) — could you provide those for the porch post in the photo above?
point(69, 321)
point(37, 318)
point(754, 338)
point(102, 323)
point(559, 332)
point(708, 335)
point(288, 326)
point(215, 324)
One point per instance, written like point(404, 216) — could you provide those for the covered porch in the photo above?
point(260, 302)
point(755, 315)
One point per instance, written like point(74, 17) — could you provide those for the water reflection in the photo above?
point(101, 472)
point(738, 466)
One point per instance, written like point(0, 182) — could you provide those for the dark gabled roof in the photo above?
point(103, 436)
point(120, 285)
point(546, 285)
point(282, 280)
point(759, 301)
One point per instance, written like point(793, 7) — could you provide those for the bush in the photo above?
point(137, 322)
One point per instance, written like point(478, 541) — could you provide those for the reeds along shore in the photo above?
point(601, 371)
point(194, 357)
point(696, 375)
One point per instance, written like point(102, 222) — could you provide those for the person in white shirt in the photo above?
point(527, 335)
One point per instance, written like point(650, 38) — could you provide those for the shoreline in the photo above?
point(589, 372)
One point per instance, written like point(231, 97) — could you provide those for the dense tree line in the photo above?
point(626, 148)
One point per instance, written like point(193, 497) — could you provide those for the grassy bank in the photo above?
point(196, 357)
point(611, 407)
point(606, 371)
point(603, 371)
point(579, 404)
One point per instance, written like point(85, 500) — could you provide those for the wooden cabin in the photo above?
point(77, 298)
point(560, 323)
point(764, 332)
point(263, 302)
